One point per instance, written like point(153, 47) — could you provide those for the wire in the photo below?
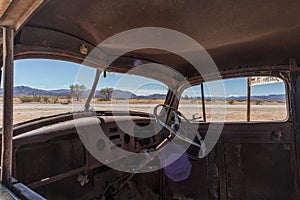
point(112, 183)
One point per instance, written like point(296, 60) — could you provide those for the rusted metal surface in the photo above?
point(248, 98)
point(92, 92)
point(241, 41)
point(231, 49)
point(222, 179)
point(195, 187)
point(4, 5)
point(295, 98)
point(233, 172)
point(59, 177)
point(256, 171)
point(15, 13)
point(162, 182)
point(251, 161)
point(25, 193)
point(7, 130)
point(6, 194)
point(222, 171)
point(203, 103)
point(213, 176)
point(251, 155)
point(227, 173)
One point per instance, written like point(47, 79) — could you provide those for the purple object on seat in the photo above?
point(175, 162)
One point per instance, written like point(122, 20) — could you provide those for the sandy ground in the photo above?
point(27, 111)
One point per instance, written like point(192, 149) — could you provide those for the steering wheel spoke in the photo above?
point(180, 130)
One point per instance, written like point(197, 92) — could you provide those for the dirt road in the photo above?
point(27, 111)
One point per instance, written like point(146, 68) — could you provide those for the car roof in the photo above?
point(234, 33)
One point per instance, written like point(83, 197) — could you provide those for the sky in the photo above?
point(236, 87)
point(53, 74)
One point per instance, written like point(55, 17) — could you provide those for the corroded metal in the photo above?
point(7, 131)
point(93, 90)
point(248, 98)
point(14, 13)
point(203, 102)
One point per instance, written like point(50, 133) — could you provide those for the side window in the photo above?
point(266, 100)
point(191, 104)
point(233, 102)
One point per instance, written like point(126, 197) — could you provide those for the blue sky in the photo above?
point(44, 74)
point(50, 74)
point(237, 87)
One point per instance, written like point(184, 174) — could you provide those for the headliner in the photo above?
point(235, 33)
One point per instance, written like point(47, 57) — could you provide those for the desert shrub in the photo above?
point(103, 99)
point(258, 101)
point(230, 101)
point(45, 99)
point(186, 97)
point(54, 99)
point(68, 96)
point(106, 93)
point(40, 99)
point(36, 99)
point(25, 99)
point(77, 91)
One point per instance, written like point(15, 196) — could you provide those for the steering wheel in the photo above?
point(178, 129)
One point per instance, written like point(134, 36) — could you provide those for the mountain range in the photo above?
point(117, 94)
point(120, 94)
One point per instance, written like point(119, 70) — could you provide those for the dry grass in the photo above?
point(266, 111)
point(130, 101)
point(253, 102)
point(18, 100)
point(51, 100)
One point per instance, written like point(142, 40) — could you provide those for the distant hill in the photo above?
point(117, 94)
point(120, 94)
point(272, 97)
point(153, 96)
point(25, 90)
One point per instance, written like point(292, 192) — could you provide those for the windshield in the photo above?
point(48, 87)
point(123, 92)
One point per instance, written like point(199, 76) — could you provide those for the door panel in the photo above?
point(259, 171)
point(259, 161)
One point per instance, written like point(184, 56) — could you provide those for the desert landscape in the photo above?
point(31, 103)
point(236, 112)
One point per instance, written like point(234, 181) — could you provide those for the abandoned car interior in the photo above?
point(179, 99)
